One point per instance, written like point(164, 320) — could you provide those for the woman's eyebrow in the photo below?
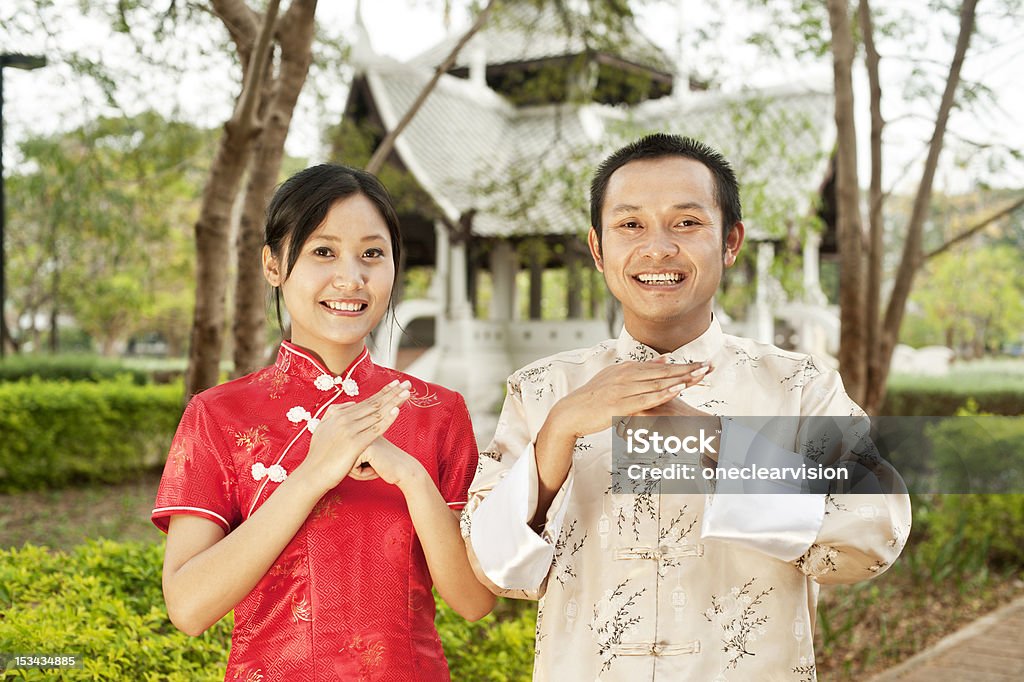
point(337, 240)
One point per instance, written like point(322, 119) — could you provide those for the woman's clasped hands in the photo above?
point(342, 441)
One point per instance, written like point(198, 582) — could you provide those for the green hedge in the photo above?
point(69, 368)
point(54, 434)
point(919, 401)
point(103, 601)
point(958, 535)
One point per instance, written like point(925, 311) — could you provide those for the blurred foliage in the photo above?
point(100, 230)
point(991, 386)
point(69, 368)
point(57, 433)
point(970, 299)
point(946, 400)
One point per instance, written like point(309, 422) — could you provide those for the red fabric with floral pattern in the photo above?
point(349, 598)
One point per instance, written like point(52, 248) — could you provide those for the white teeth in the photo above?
point(660, 278)
point(347, 307)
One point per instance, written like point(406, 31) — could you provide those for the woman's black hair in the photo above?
point(301, 203)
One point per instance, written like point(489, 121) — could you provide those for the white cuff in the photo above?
point(510, 553)
point(777, 524)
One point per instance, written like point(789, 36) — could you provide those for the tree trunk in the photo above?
point(853, 335)
point(388, 143)
point(876, 221)
point(213, 227)
point(912, 258)
point(250, 328)
point(8, 340)
point(55, 314)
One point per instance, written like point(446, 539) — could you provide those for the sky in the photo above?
point(52, 99)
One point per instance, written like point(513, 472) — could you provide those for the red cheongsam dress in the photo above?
point(349, 598)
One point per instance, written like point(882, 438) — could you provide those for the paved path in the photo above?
point(991, 649)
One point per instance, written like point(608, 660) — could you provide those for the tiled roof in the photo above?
point(525, 170)
point(522, 33)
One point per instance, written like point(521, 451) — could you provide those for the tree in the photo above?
point(971, 319)
point(869, 338)
point(278, 98)
point(273, 53)
point(871, 325)
point(99, 235)
point(262, 112)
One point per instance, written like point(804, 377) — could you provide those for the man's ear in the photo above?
point(271, 267)
point(595, 249)
point(732, 245)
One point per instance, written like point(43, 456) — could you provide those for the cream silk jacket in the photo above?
point(670, 587)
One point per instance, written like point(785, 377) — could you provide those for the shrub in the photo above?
point(69, 368)
point(53, 434)
point(959, 535)
point(921, 401)
point(497, 648)
point(103, 601)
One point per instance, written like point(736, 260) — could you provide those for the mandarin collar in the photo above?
point(299, 363)
point(704, 347)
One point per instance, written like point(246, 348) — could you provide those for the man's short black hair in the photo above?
point(661, 145)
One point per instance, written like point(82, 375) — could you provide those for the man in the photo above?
point(652, 586)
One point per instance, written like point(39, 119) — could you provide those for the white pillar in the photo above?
point(762, 321)
point(478, 66)
point(458, 297)
point(812, 270)
point(504, 264)
point(439, 283)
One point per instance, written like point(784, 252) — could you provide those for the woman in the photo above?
point(315, 497)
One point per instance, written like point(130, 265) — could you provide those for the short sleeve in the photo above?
point(458, 458)
point(199, 478)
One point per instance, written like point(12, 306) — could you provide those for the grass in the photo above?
point(62, 519)
point(989, 374)
point(869, 627)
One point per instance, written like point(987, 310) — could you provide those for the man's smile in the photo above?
point(660, 279)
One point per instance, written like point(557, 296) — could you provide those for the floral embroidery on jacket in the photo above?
point(807, 672)
point(491, 454)
point(614, 618)
point(745, 359)
point(806, 371)
point(533, 375)
point(737, 615)
point(818, 560)
point(643, 499)
point(831, 503)
point(563, 567)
